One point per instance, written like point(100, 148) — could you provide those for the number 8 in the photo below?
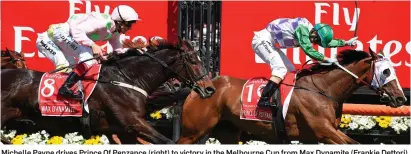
point(48, 84)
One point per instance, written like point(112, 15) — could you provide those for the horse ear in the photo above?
point(381, 52)
point(188, 45)
point(373, 55)
point(179, 42)
point(184, 45)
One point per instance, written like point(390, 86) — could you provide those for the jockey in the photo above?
point(75, 38)
point(290, 33)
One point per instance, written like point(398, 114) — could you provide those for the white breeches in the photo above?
point(264, 48)
point(58, 46)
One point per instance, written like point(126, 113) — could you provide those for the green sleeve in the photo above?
point(302, 36)
point(336, 43)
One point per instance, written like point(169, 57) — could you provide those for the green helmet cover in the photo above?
point(325, 32)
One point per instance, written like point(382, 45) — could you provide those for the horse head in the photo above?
point(384, 79)
point(195, 70)
point(370, 69)
point(175, 61)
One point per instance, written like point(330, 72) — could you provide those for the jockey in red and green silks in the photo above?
point(76, 38)
point(291, 33)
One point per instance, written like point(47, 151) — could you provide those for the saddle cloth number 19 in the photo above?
point(252, 90)
point(250, 96)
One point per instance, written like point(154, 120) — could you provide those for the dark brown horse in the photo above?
point(12, 59)
point(113, 109)
point(311, 118)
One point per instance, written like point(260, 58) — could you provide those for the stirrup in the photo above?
point(67, 93)
point(78, 96)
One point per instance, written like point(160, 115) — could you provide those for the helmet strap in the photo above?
point(118, 27)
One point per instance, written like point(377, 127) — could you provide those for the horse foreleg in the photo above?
point(195, 126)
point(114, 139)
point(329, 135)
point(334, 136)
point(9, 114)
point(146, 132)
point(348, 139)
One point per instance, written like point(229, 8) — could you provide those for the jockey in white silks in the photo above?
point(291, 33)
point(75, 38)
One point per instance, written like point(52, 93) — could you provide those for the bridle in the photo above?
point(366, 78)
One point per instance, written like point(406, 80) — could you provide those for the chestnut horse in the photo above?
point(12, 59)
point(113, 109)
point(311, 118)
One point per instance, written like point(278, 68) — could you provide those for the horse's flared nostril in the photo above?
point(177, 85)
point(401, 100)
point(385, 99)
point(210, 90)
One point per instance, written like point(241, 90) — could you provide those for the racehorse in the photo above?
point(12, 59)
point(314, 110)
point(113, 109)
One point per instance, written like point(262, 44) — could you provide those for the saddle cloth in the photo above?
point(52, 104)
point(251, 93)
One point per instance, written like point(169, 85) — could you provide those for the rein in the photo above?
point(366, 76)
point(181, 78)
point(310, 90)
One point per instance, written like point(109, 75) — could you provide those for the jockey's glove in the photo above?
point(328, 61)
point(351, 42)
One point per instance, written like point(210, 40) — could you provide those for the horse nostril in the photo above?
point(384, 99)
point(210, 90)
point(401, 99)
point(177, 85)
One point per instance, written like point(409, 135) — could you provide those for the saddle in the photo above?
point(279, 102)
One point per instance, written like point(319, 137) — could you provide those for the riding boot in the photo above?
point(65, 88)
point(268, 91)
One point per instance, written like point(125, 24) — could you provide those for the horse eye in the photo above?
point(386, 72)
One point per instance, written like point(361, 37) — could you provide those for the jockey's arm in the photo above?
point(79, 33)
point(116, 44)
point(302, 36)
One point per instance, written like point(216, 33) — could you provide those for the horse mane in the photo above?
point(345, 57)
point(6, 53)
point(133, 52)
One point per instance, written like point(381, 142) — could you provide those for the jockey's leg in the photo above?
point(266, 51)
point(50, 50)
point(71, 80)
point(64, 40)
point(280, 65)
